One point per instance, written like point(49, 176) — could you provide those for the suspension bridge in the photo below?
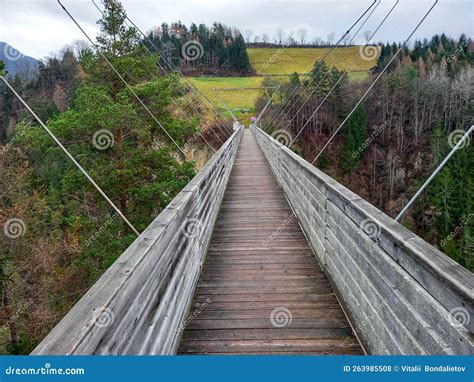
point(262, 253)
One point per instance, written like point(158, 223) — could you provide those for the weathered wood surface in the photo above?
point(139, 305)
point(403, 295)
point(259, 262)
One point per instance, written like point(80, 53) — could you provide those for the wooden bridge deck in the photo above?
point(261, 290)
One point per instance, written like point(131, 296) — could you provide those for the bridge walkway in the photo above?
point(261, 290)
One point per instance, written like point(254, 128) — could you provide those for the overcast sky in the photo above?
point(40, 27)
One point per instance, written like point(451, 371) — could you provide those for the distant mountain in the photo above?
point(15, 60)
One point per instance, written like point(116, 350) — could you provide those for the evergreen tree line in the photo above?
point(218, 50)
point(448, 53)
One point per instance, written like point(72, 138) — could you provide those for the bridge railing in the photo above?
point(402, 295)
point(139, 306)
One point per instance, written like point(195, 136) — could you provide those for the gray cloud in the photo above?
point(40, 27)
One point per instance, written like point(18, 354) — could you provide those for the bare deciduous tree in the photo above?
point(346, 38)
point(302, 34)
point(331, 38)
point(248, 35)
point(291, 38)
point(280, 35)
point(367, 35)
point(317, 41)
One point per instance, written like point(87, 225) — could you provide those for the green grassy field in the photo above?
point(270, 61)
point(234, 98)
point(273, 61)
point(242, 103)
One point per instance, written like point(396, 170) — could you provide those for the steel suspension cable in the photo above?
point(175, 69)
point(69, 155)
point(172, 98)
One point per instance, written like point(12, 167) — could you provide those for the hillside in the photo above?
point(284, 61)
point(15, 60)
point(280, 63)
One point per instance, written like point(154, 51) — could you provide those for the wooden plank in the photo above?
point(264, 334)
point(321, 346)
point(329, 312)
point(266, 323)
point(261, 290)
point(279, 299)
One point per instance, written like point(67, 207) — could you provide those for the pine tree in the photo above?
point(355, 138)
point(295, 80)
point(116, 37)
point(239, 58)
point(320, 78)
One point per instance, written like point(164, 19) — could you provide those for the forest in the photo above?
point(62, 235)
point(218, 50)
point(396, 137)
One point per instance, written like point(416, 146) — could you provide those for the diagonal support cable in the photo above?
point(375, 81)
point(73, 160)
point(436, 172)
